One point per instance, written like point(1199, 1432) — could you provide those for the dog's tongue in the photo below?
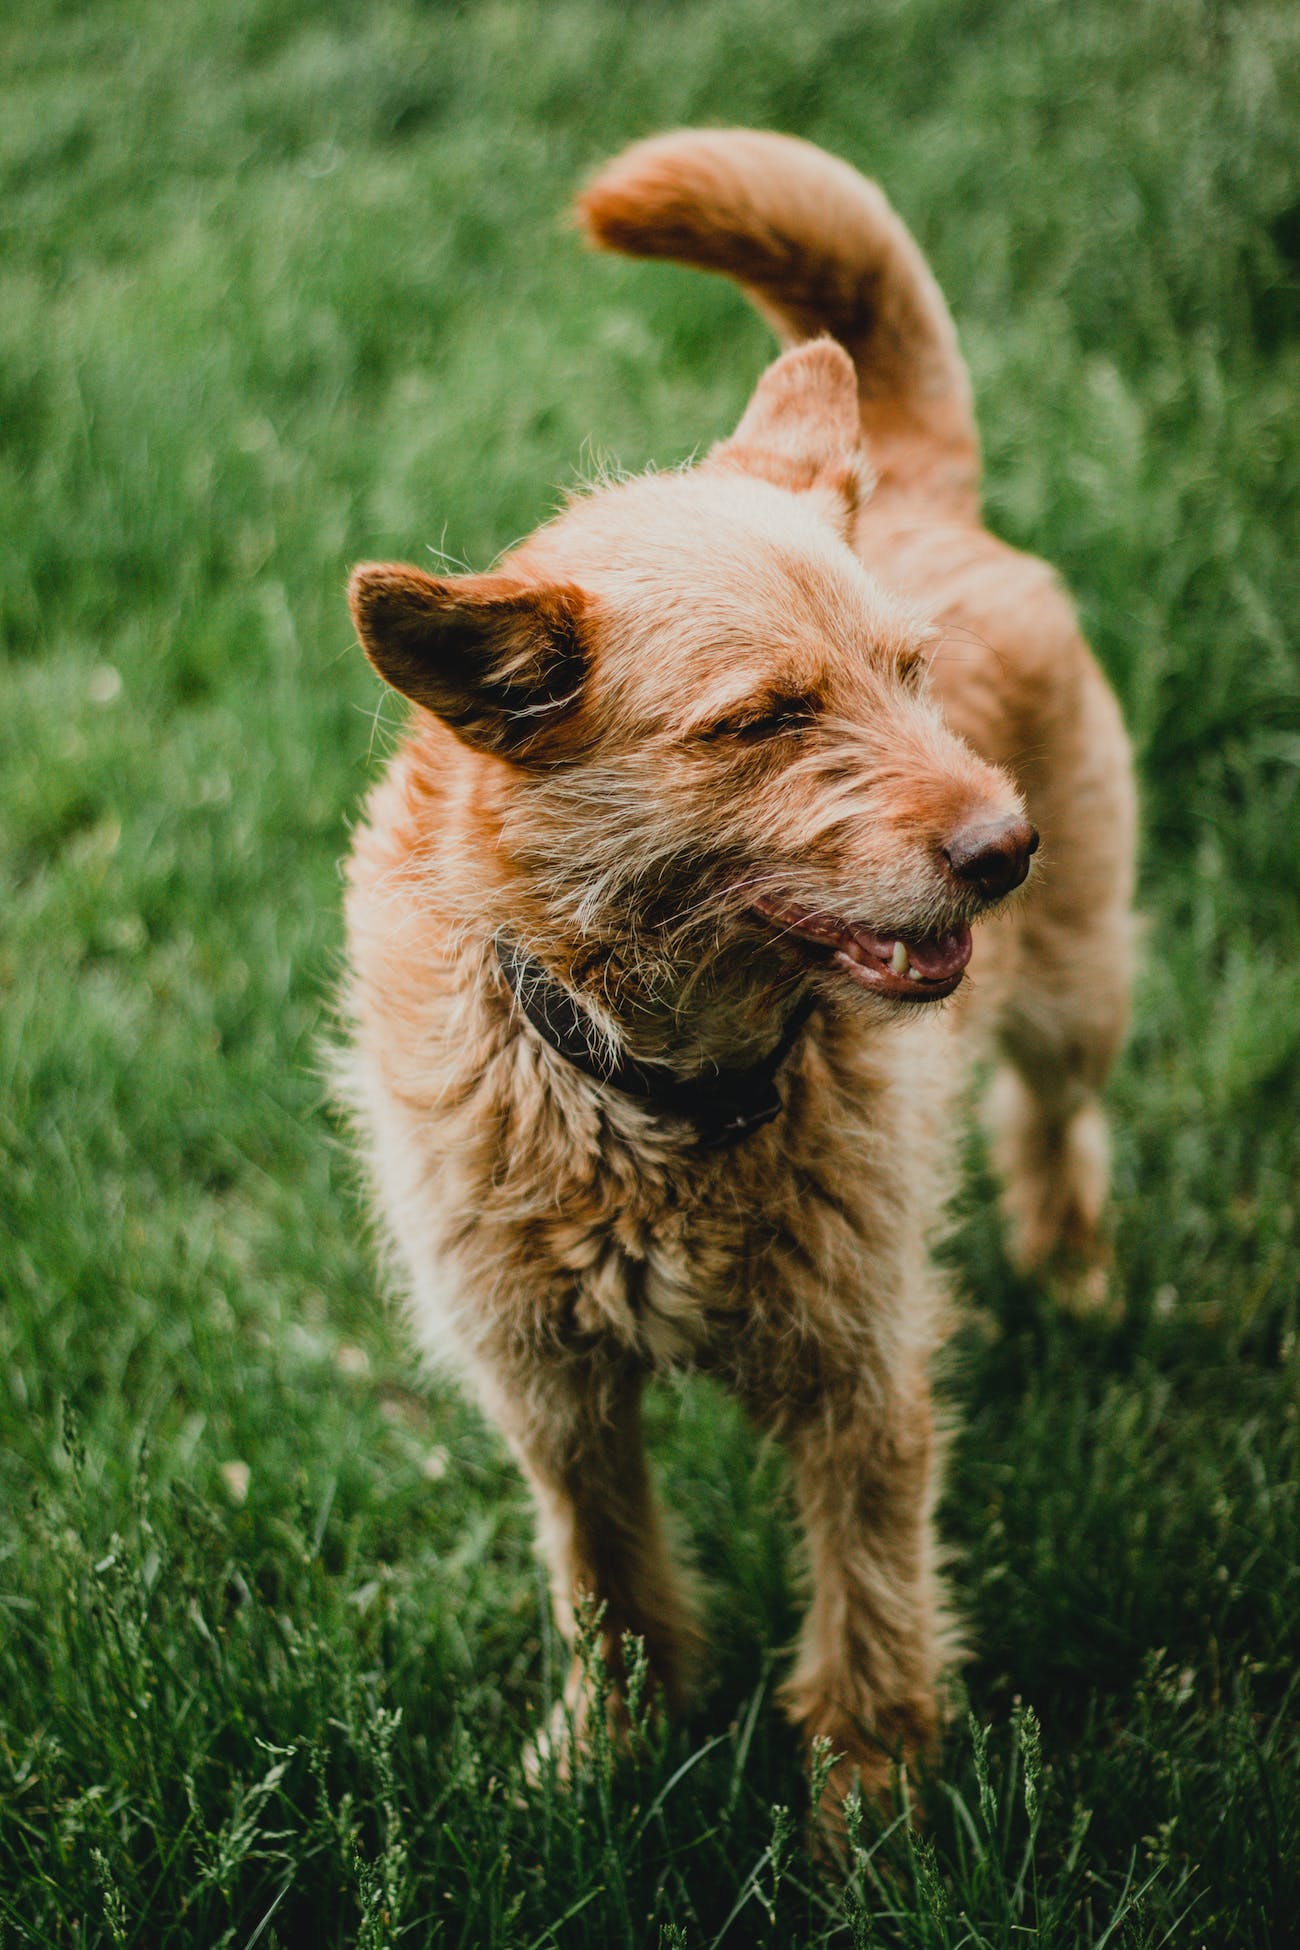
point(934, 956)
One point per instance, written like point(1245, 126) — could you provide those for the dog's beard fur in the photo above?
point(641, 890)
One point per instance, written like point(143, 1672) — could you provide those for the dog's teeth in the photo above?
point(912, 975)
point(899, 961)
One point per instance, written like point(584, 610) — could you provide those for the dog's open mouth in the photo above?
point(920, 968)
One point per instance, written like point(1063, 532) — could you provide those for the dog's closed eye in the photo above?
point(767, 718)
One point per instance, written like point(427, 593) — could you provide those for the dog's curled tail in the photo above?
point(818, 249)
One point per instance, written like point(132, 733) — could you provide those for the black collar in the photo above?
point(723, 1105)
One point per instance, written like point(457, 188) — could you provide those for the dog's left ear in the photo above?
point(501, 662)
point(803, 429)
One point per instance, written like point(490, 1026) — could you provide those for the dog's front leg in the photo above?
point(574, 1424)
point(872, 1645)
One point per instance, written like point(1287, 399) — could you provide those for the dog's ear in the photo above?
point(802, 429)
point(501, 662)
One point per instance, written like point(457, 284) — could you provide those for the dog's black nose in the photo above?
point(992, 855)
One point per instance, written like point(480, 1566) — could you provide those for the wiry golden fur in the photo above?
point(687, 725)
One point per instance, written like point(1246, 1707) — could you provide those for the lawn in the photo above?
point(284, 285)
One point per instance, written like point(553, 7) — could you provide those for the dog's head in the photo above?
point(700, 737)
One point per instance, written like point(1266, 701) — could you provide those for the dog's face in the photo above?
point(705, 734)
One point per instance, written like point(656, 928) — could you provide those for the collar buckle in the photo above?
point(716, 1136)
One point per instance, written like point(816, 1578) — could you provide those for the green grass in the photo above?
point(283, 285)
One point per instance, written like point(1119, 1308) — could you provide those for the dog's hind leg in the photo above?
point(574, 1425)
point(1051, 1149)
point(1060, 1032)
point(1065, 952)
point(1059, 1039)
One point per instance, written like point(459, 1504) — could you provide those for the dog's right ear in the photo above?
point(802, 428)
point(501, 662)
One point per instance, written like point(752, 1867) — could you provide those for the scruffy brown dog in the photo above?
point(650, 918)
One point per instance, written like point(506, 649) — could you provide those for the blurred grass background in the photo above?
point(283, 285)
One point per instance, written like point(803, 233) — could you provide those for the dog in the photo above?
point(677, 919)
